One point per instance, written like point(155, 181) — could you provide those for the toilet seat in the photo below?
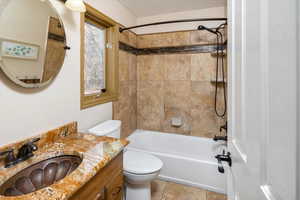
point(141, 163)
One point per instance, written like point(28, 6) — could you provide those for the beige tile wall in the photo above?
point(177, 85)
point(125, 109)
point(175, 39)
point(155, 88)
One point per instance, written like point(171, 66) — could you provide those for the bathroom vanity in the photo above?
point(105, 185)
point(66, 165)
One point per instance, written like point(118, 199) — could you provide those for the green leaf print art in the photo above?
point(14, 49)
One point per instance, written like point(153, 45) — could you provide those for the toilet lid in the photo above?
point(141, 163)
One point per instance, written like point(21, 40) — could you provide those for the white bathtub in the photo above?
point(187, 160)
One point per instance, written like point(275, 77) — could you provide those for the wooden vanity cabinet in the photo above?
point(106, 185)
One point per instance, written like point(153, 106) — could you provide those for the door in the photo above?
point(55, 52)
point(262, 85)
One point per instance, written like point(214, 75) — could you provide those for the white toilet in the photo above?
point(139, 168)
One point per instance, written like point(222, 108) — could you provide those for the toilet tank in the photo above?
point(110, 128)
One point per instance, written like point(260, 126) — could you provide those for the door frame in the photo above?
point(298, 113)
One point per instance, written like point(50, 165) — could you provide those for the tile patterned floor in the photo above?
point(162, 190)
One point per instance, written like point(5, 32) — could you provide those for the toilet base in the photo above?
point(138, 192)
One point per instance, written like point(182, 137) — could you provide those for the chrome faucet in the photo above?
point(24, 153)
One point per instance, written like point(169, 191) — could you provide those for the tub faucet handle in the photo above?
point(224, 127)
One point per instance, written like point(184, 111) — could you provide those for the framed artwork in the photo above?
point(20, 50)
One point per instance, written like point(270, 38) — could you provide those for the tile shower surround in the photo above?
point(125, 109)
point(156, 86)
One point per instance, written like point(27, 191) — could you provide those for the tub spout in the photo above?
point(223, 157)
point(222, 138)
point(220, 167)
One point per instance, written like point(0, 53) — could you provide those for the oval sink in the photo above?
point(40, 175)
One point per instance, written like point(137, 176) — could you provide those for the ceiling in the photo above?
point(143, 8)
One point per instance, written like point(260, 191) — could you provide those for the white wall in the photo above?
point(216, 12)
point(25, 113)
point(298, 145)
point(115, 10)
point(3, 4)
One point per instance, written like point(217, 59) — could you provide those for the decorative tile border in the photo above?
point(130, 49)
point(169, 50)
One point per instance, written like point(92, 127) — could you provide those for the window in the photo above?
point(99, 58)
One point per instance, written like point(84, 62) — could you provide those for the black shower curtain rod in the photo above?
point(172, 22)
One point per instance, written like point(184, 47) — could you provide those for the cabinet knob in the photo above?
point(101, 195)
point(116, 191)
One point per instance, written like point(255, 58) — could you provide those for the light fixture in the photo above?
point(76, 5)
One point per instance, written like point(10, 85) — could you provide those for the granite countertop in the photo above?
point(95, 151)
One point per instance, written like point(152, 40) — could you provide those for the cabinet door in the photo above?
point(115, 188)
point(91, 193)
point(102, 185)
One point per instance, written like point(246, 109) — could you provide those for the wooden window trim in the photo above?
point(112, 59)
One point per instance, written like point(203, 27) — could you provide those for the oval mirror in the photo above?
point(32, 42)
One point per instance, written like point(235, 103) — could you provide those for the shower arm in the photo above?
point(215, 31)
point(201, 27)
